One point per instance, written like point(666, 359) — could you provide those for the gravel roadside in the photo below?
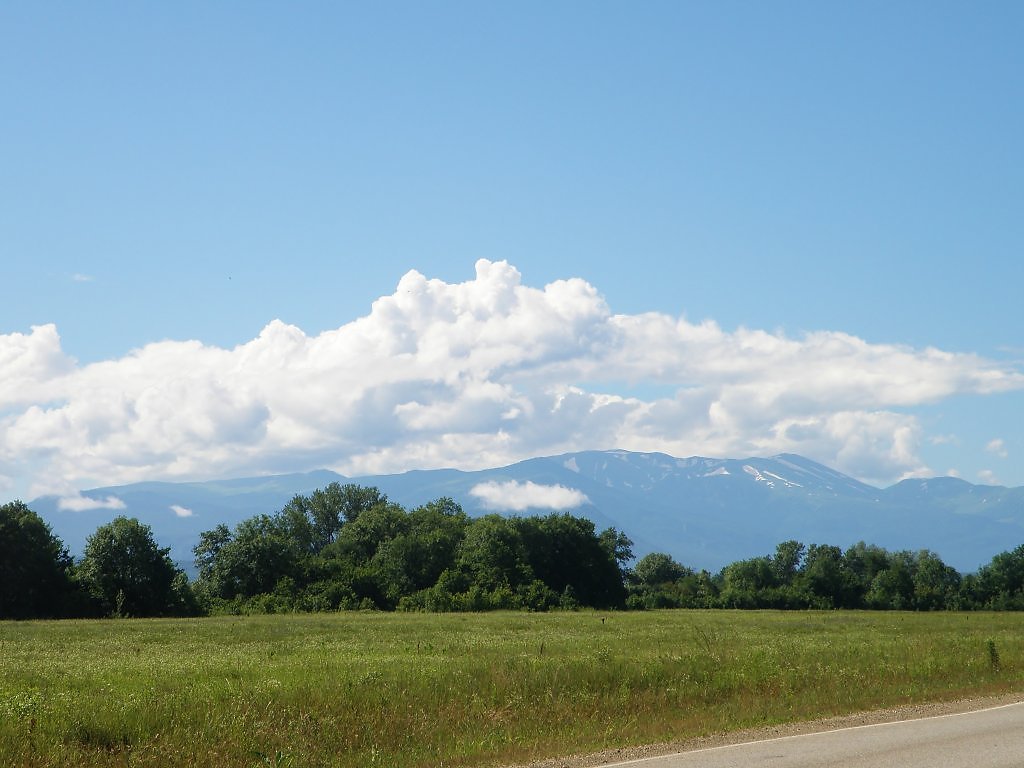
point(908, 712)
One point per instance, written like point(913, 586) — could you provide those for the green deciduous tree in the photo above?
point(127, 574)
point(827, 578)
point(618, 546)
point(658, 581)
point(414, 558)
point(1000, 584)
point(747, 583)
point(565, 552)
point(657, 569)
point(315, 521)
point(34, 566)
point(936, 585)
point(246, 562)
point(789, 557)
point(892, 588)
point(493, 554)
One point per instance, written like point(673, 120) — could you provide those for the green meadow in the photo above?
point(414, 689)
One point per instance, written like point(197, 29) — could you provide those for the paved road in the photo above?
point(988, 738)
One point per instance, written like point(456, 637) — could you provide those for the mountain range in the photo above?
point(704, 512)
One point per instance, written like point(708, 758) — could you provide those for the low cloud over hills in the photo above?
point(705, 512)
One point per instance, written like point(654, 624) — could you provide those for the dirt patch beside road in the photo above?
point(894, 714)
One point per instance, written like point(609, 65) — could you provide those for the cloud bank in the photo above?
point(78, 503)
point(513, 496)
point(470, 375)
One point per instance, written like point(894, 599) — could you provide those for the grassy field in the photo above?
point(403, 690)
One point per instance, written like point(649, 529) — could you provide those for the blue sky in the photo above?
point(190, 173)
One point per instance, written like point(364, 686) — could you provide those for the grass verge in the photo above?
point(411, 690)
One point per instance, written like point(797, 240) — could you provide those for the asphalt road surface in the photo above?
point(987, 738)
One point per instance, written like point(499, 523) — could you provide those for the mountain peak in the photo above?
point(705, 512)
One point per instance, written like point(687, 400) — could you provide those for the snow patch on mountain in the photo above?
point(781, 479)
point(756, 474)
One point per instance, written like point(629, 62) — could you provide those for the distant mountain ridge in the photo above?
point(704, 512)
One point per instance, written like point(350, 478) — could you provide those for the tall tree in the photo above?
point(618, 546)
point(749, 583)
point(128, 574)
point(936, 585)
point(565, 552)
point(657, 568)
point(493, 554)
point(789, 556)
point(1000, 584)
point(865, 562)
point(315, 521)
point(249, 561)
point(892, 587)
point(34, 566)
point(826, 575)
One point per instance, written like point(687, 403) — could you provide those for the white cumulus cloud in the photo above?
point(181, 511)
point(514, 496)
point(997, 447)
point(80, 503)
point(988, 477)
point(32, 368)
point(471, 375)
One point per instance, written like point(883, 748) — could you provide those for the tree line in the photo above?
point(349, 547)
point(822, 576)
point(122, 572)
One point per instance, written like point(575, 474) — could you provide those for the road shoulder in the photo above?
point(889, 715)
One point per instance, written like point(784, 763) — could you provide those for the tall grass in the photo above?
point(407, 690)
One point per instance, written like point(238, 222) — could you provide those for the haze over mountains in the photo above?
point(704, 512)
